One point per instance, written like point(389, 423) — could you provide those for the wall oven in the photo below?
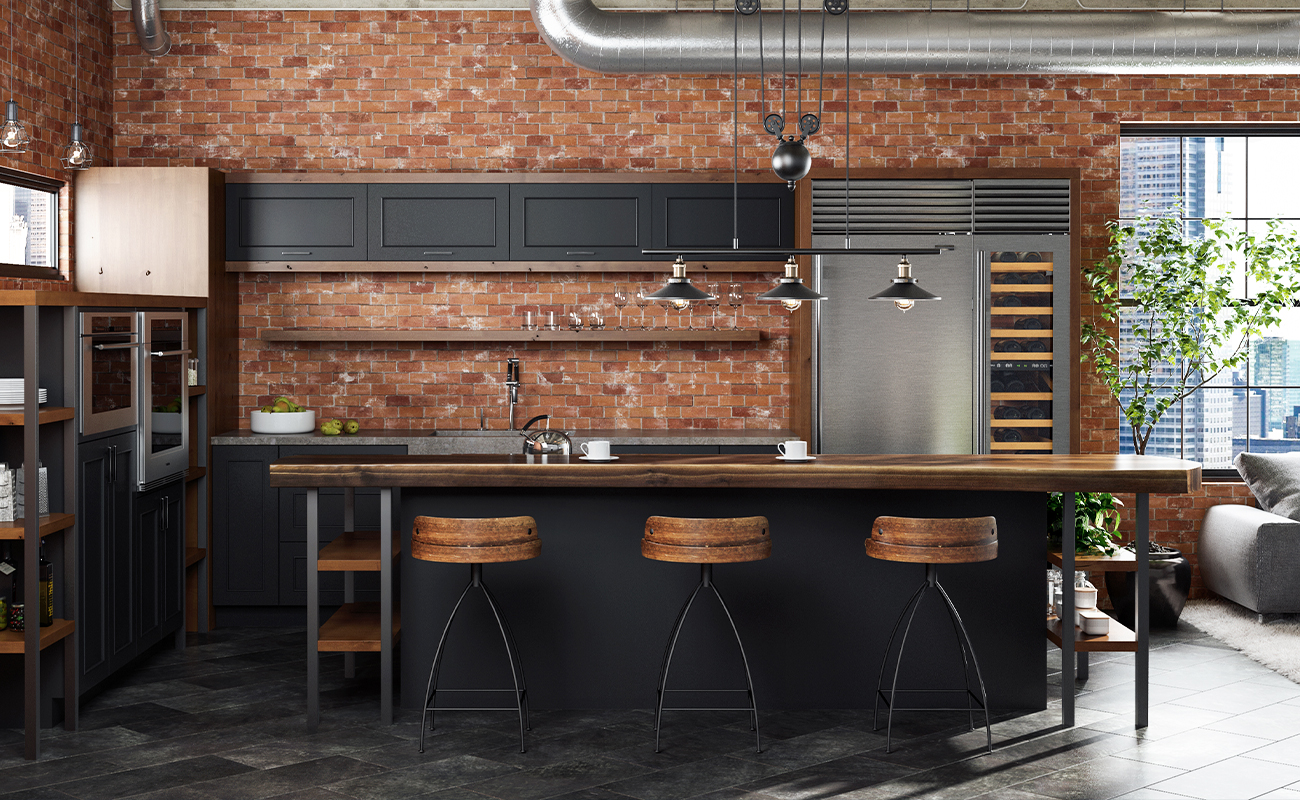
point(109, 397)
point(163, 432)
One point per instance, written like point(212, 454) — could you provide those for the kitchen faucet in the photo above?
point(512, 382)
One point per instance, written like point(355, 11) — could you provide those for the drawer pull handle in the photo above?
point(439, 252)
point(295, 252)
point(581, 253)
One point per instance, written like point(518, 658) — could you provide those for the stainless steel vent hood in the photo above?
point(970, 42)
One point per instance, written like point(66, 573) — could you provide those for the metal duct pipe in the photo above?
point(971, 42)
point(147, 16)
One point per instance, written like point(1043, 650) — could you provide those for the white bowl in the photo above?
point(165, 421)
point(286, 422)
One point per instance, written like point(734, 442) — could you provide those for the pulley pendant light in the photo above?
point(77, 154)
point(13, 137)
point(904, 291)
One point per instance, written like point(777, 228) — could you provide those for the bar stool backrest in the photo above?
point(475, 541)
point(933, 541)
point(706, 541)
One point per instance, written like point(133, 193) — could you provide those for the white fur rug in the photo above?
point(1275, 644)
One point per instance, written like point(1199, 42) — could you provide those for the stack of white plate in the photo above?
point(11, 391)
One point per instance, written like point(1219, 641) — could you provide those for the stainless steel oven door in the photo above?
point(107, 397)
point(164, 433)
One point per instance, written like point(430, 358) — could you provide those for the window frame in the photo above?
point(26, 180)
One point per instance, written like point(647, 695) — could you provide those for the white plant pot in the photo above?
point(287, 422)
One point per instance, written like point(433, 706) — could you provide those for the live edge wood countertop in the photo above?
point(1003, 473)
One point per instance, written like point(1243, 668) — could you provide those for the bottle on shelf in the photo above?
point(46, 590)
point(7, 572)
point(1008, 435)
point(1007, 412)
point(1034, 412)
point(1029, 324)
point(1008, 346)
point(17, 613)
point(1036, 346)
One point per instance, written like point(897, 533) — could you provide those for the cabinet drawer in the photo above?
point(295, 222)
point(439, 222)
point(694, 216)
point(580, 222)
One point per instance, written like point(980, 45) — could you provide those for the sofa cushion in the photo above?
point(1274, 479)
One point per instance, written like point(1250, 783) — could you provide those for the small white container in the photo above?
point(1085, 596)
point(1094, 622)
point(287, 422)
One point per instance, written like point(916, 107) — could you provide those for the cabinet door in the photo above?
point(439, 222)
point(245, 545)
point(295, 222)
point(105, 561)
point(700, 215)
point(158, 544)
point(582, 222)
point(293, 528)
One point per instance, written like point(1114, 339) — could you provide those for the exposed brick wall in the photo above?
point(36, 59)
point(478, 91)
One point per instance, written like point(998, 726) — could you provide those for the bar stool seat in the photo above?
point(705, 542)
point(477, 542)
point(932, 542)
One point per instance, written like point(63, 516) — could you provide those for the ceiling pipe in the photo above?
point(944, 42)
point(147, 16)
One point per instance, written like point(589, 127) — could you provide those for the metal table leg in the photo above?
point(313, 610)
point(349, 580)
point(1067, 609)
point(1142, 612)
point(386, 605)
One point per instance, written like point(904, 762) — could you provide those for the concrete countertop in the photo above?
point(452, 442)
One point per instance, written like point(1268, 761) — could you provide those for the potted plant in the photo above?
point(1096, 523)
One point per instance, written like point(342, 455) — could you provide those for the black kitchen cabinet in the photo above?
point(296, 222)
point(692, 449)
point(159, 542)
point(245, 513)
point(700, 215)
point(106, 475)
point(579, 222)
point(439, 222)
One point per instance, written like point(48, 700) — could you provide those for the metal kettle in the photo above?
point(544, 441)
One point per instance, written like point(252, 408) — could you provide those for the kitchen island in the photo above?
point(591, 614)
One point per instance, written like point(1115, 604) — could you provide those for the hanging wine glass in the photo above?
point(642, 302)
point(620, 302)
point(715, 300)
point(735, 296)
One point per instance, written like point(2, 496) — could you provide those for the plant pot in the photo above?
point(1170, 581)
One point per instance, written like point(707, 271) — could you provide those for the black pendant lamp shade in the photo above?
point(790, 290)
point(904, 291)
point(679, 290)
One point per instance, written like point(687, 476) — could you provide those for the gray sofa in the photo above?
point(1251, 557)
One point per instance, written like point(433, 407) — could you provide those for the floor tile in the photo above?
point(1236, 778)
point(1285, 751)
point(554, 779)
point(172, 775)
point(843, 775)
point(1193, 749)
point(1239, 697)
point(1099, 779)
point(422, 779)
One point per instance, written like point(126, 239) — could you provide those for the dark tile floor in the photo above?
point(225, 719)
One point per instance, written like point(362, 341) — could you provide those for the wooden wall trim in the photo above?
point(498, 177)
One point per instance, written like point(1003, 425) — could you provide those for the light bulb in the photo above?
point(679, 304)
point(904, 305)
point(12, 137)
point(78, 154)
point(791, 305)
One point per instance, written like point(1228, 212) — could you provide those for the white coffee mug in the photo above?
point(596, 450)
point(794, 449)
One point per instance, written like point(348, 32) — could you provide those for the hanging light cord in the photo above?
point(735, 119)
point(848, 125)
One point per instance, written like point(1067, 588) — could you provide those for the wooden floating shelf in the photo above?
point(1020, 446)
point(354, 628)
point(195, 391)
point(1022, 423)
point(1017, 333)
point(1020, 396)
point(12, 641)
point(1002, 356)
point(51, 523)
point(13, 415)
point(362, 335)
point(1122, 561)
point(355, 552)
point(1024, 311)
point(194, 555)
point(1119, 640)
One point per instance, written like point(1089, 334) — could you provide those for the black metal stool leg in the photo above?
point(432, 689)
point(749, 681)
point(964, 636)
point(518, 658)
point(668, 661)
point(893, 688)
point(516, 672)
point(884, 662)
point(965, 661)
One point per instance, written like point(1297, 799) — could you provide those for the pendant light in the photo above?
point(77, 154)
point(904, 291)
point(13, 137)
point(679, 290)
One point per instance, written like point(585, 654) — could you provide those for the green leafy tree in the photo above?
point(1189, 322)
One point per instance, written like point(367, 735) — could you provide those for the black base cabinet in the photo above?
point(131, 562)
point(259, 534)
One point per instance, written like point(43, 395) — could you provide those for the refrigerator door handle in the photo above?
point(982, 404)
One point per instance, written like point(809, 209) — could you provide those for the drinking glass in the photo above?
point(620, 302)
point(735, 296)
point(642, 301)
point(715, 300)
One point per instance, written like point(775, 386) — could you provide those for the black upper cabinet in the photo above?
point(579, 222)
point(295, 222)
point(700, 215)
point(439, 222)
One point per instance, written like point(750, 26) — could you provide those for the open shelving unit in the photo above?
point(1119, 639)
point(1020, 357)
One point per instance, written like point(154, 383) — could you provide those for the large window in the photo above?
point(1249, 179)
point(29, 226)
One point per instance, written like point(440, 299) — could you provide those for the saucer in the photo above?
point(597, 460)
point(796, 460)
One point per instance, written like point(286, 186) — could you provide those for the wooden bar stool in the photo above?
point(477, 542)
point(705, 542)
point(932, 542)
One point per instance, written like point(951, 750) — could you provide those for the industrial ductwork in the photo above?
point(971, 42)
point(153, 38)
